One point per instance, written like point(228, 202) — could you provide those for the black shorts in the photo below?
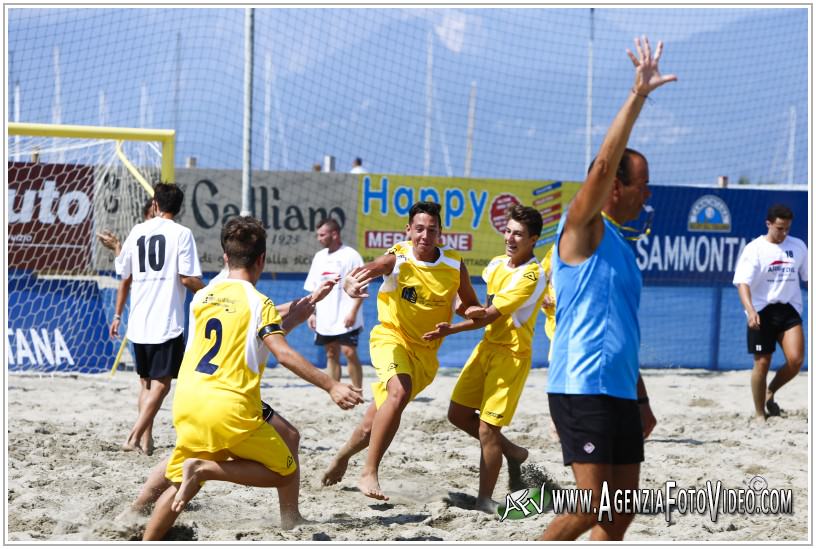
point(157, 360)
point(349, 338)
point(267, 412)
point(598, 428)
point(774, 320)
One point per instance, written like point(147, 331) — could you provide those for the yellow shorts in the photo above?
point(264, 445)
point(491, 382)
point(391, 355)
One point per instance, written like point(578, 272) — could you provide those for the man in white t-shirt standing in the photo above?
point(161, 257)
point(337, 320)
point(767, 277)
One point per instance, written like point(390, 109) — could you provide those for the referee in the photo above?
point(767, 278)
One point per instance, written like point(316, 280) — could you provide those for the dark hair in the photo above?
point(430, 208)
point(779, 211)
point(331, 223)
point(147, 208)
point(527, 216)
point(243, 240)
point(625, 167)
point(169, 197)
point(358, 161)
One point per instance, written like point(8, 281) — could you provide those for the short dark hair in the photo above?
point(527, 216)
point(147, 208)
point(624, 170)
point(358, 161)
point(330, 222)
point(431, 208)
point(243, 240)
point(779, 211)
point(169, 197)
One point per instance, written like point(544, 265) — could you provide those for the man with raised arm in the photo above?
point(597, 398)
point(422, 282)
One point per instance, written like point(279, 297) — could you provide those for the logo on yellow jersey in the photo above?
point(409, 294)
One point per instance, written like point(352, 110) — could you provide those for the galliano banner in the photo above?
point(289, 204)
point(699, 233)
point(473, 211)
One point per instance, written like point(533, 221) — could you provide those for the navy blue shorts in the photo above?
point(597, 428)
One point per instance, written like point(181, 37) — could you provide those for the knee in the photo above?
point(349, 352)
point(399, 394)
point(331, 352)
point(488, 433)
point(796, 362)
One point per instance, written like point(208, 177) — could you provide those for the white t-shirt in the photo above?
point(773, 271)
point(156, 253)
point(331, 311)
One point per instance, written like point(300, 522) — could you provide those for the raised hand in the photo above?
point(324, 289)
point(647, 73)
point(355, 283)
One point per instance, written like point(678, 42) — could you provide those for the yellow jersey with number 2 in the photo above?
point(217, 402)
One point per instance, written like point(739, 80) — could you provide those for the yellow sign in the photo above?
point(473, 211)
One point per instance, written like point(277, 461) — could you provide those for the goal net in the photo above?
point(65, 185)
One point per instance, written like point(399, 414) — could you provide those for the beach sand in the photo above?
point(68, 480)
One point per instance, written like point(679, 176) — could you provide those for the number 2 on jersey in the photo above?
point(204, 365)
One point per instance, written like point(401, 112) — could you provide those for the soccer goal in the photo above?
point(65, 184)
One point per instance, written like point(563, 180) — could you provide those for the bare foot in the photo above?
point(514, 462)
point(128, 446)
point(486, 505)
point(335, 472)
point(760, 419)
point(290, 522)
point(147, 445)
point(190, 485)
point(369, 485)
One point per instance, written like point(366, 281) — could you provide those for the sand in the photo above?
point(68, 479)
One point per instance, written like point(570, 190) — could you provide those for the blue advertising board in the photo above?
point(698, 233)
point(56, 325)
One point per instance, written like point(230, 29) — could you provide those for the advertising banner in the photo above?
point(50, 216)
point(698, 233)
point(473, 211)
point(289, 204)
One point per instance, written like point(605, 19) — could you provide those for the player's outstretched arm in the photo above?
point(356, 282)
point(445, 329)
point(469, 305)
point(344, 395)
point(295, 312)
point(584, 226)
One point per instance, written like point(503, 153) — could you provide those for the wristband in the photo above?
point(640, 95)
point(117, 317)
point(643, 400)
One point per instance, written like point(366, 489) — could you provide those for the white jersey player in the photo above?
point(160, 258)
point(767, 277)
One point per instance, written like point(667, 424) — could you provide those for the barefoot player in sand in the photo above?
point(493, 377)
point(217, 409)
point(422, 281)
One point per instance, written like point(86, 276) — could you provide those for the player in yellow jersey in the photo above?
point(493, 377)
point(217, 409)
point(421, 283)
